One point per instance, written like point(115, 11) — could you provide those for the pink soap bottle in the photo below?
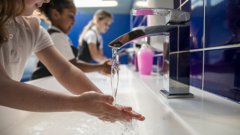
point(145, 60)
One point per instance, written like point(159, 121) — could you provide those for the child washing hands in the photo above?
point(20, 35)
point(61, 16)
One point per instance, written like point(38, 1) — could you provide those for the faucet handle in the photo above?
point(172, 16)
point(178, 17)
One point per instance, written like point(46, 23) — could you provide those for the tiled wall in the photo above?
point(214, 45)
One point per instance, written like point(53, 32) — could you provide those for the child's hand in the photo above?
point(106, 67)
point(131, 112)
point(100, 105)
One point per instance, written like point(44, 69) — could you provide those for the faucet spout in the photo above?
point(142, 32)
point(174, 18)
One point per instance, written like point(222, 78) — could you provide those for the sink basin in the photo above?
point(160, 119)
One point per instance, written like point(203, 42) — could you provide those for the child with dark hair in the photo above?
point(20, 35)
point(61, 15)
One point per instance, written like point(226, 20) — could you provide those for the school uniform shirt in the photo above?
point(91, 36)
point(62, 43)
point(25, 36)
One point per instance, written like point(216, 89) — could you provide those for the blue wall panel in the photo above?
point(215, 49)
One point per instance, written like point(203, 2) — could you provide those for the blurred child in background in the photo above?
point(91, 41)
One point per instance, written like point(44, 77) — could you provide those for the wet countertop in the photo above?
point(205, 114)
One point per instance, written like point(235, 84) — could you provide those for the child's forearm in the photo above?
point(100, 58)
point(67, 74)
point(30, 98)
point(87, 67)
point(76, 81)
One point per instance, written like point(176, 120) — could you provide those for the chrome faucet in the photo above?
point(142, 32)
point(172, 88)
point(174, 18)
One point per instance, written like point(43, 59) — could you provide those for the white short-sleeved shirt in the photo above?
point(27, 37)
point(62, 43)
point(93, 37)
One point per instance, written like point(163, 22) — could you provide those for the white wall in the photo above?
point(124, 7)
point(156, 42)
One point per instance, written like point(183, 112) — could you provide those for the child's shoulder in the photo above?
point(90, 33)
point(29, 20)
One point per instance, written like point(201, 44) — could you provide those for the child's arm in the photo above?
point(30, 98)
point(68, 75)
point(27, 97)
point(96, 54)
point(104, 68)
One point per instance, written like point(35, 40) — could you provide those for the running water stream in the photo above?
point(130, 127)
point(114, 74)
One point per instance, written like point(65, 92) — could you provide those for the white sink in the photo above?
point(160, 119)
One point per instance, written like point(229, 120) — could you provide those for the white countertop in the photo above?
point(205, 114)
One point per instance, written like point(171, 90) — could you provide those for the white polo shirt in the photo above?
point(93, 37)
point(62, 43)
point(27, 36)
